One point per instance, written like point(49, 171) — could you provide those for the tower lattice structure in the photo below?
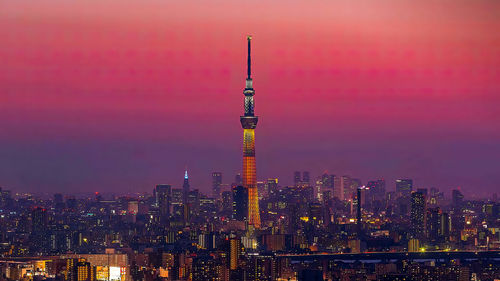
point(249, 123)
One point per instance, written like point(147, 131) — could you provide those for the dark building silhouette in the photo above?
point(404, 187)
point(306, 180)
point(216, 184)
point(457, 198)
point(296, 178)
point(433, 224)
point(163, 195)
point(240, 203)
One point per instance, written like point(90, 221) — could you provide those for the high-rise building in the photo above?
point(457, 198)
point(404, 187)
point(216, 184)
point(305, 178)
point(361, 190)
point(342, 187)
point(238, 180)
point(240, 203)
point(177, 196)
point(163, 195)
point(185, 188)
point(445, 226)
point(433, 224)
point(249, 123)
point(353, 186)
point(417, 214)
point(296, 178)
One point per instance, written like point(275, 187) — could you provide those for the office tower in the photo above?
point(194, 201)
point(328, 185)
point(293, 217)
point(360, 191)
point(39, 219)
point(185, 188)
point(216, 184)
point(238, 180)
point(342, 187)
point(249, 123)
point(39, 232)
point(404, 187)
point(240, 203)
point(353, 186)
point(305, 178)
point(445, 226)
point(163, 195)
point(417, 214)
point(433, 224)
point(296, 178)
point(177, 196)
point(457, 198)
point(5, 197)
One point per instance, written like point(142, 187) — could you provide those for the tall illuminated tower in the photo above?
point(185, 188)
point(249, 122)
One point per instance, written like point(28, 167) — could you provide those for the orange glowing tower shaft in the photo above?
point(249, 122)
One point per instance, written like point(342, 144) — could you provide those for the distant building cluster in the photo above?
point(327, 228)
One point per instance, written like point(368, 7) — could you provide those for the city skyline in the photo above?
point(107, 102)
point(376, 154)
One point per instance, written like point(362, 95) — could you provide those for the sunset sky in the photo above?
point(118, 96)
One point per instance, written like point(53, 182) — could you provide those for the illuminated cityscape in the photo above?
point(121, 155)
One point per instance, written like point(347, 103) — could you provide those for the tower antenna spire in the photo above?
point(249, 63)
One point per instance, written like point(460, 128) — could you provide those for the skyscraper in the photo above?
point(305, 178)
point(163, 195)
point(417, 215)
point(238, 180)
point(404, 187)
point(342, 187)
point(457, 198)
point(185, 188)
point(433, 224)
point(249, 123)
point(296, 178)
point(240, 203)
point(216, 183)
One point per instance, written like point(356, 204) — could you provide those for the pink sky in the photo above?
point(129, 92)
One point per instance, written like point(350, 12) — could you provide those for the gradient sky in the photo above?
point(121, 95)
